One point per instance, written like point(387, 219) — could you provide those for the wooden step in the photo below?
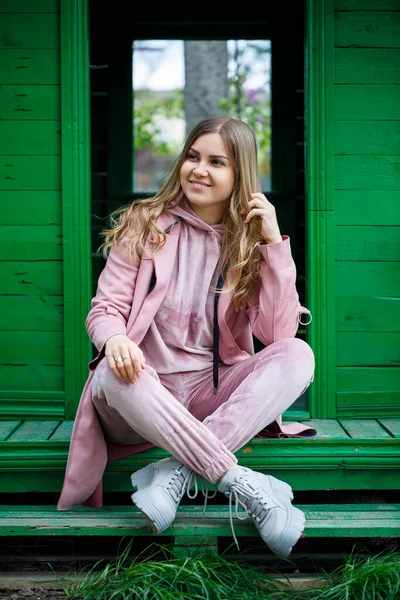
point(338, 520)
point(346, 454)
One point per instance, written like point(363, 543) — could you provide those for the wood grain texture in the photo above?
point(367, 29)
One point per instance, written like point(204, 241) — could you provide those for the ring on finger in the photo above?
point(125, 357)
point(118, 359)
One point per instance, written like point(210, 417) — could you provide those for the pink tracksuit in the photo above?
point(174, 404)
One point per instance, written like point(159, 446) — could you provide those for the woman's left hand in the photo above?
point(263, 209)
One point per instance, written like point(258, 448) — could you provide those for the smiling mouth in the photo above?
point(198, 183)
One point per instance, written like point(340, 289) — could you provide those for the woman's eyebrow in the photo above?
point(211, 155)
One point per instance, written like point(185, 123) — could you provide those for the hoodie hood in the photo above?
point(181, 208)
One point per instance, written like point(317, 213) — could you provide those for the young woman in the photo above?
point(191, 275)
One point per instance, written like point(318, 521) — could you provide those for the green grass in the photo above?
point(212, 577)
point(362, 578)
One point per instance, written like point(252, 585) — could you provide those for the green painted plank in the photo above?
point(31, 242)
point(372, 278)
point(338, 521)
point(34, 405)
point(30, 208)
point(373, 29)
point(366, 65)
point(363, 313)
point(30, 172)
point(393, 425)
point(29, 102)
point(23, 67)
point(317, 511)
point(367, 172)
point(30, 377)
point(366, 5)
point(63, 432)
point(41, 278)
point(327, 428)
point(350, 105)
point(7, 428)
point(30, 137)
point(367, 349)
point(367, 243)
point(45, 313)
point(29, 31)
point(30, 6)
point(364, 405)
point(34, 431)
point(300, 478)
point(366, 137)
point(358, 207)
point(359, 390)
point(33, 347)
point(360, 429)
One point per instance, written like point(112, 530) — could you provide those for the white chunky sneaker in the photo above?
point(268, 501)
point(160, 487)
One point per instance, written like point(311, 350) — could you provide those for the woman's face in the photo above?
point(207, 177)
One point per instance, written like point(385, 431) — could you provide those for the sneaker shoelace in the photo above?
point(179, 483)
point(257, 509)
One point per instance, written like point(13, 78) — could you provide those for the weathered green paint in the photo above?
point(392, 425)
point(345, 520)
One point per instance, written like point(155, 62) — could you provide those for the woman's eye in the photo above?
point(218, 162)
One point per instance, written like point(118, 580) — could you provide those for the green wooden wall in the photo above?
point(366, 199)
point(45, 224)
point(31, 266)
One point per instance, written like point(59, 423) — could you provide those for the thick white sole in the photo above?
point(155, 510)
point(291, 533)
point(153, 504)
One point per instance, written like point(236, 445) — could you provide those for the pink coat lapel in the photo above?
point(146, 305)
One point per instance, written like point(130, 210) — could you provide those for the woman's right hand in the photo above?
point(132, 360)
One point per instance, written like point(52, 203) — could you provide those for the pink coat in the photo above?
point(122, 305)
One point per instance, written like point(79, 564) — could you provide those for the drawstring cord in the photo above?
point(216, 331)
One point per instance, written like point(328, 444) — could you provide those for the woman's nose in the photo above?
point(200, 170)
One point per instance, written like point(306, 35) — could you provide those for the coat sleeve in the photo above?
point(111, 306)
point(275, 311)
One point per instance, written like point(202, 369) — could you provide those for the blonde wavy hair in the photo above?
point(136, 223)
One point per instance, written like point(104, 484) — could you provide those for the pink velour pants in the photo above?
point(183, 414)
